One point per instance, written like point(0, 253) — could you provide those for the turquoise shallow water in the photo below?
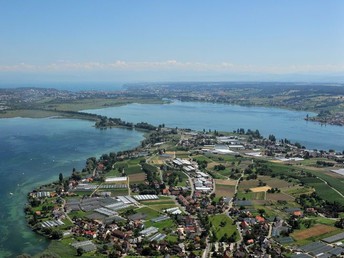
point(196, 115)
point(34, 151)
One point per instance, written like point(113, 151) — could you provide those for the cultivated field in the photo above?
point(225, 182)
point(279, 197)
point(136, 178)
point(314, 231)
point(260, 189)
point(275, 182)
point(247, 184)
point(224, 190)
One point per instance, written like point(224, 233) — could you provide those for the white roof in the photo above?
point(116, 179)
point(338, 171)
point(255, 154)
point(222, 151)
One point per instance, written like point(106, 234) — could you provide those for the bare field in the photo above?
point(225, 182)
point(315, 230)
point(260, 189)
point(157, 162)
point(139, 177)
point(224, 190)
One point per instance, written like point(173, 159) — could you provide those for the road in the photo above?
point(207, 250)
point(191, 185)
point(65, 213)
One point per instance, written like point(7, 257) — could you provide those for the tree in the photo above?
point(60, 177)
point(272, 138)
point(79, 251)
point(261, 212)
point(56, 234)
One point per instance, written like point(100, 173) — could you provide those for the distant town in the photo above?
point(185, 193)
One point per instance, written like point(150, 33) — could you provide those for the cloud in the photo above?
point(169, 65)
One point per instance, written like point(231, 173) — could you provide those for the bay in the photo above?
point(34, 152)
point(223, 117)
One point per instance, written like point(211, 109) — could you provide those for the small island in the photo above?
point(185, 193)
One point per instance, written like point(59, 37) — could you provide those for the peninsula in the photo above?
point(185, 193)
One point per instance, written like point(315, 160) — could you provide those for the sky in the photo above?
point(154, 40)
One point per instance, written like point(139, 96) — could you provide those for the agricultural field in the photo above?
point(260, 189)
point(313, 232)
point(279, 197)
point(226, 182)
point(224, 190)
point(137, 178)
point(310, 177)
point(252, 195)
point(296, 191)
point(247, 184)
point(275, 182)
point(182, 154)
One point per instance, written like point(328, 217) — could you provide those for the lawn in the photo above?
point(166, 224)
point(221, 230)
point(150, 213)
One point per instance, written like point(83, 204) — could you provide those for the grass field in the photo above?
point(298, 190)
point(219, 230)
point(160, 205)
point(150, 213)
point(166, 224)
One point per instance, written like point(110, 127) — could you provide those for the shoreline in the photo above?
point(53, 184)
point(77, 113)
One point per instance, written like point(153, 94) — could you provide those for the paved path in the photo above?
point(191, 185)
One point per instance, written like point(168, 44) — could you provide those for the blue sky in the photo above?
point(83, 40)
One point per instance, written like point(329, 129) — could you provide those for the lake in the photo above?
point(222, 117)
point(35, 151)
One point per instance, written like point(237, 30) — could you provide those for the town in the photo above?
point(184, 193)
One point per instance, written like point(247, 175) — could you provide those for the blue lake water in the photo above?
point(35, 151)
point(222, 117)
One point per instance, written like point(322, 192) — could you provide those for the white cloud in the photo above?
point(169, 65)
